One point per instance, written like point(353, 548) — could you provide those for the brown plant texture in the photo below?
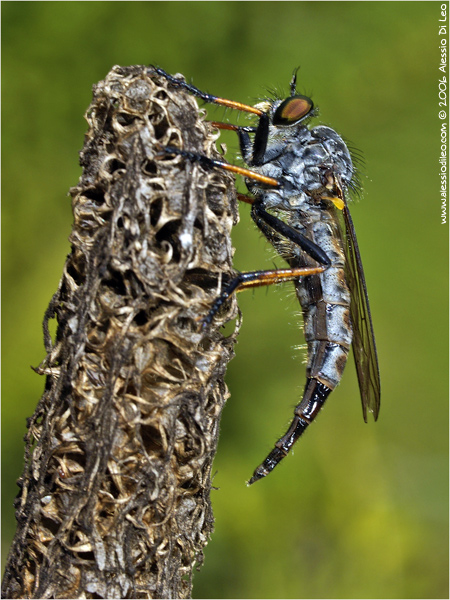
point(114, 499)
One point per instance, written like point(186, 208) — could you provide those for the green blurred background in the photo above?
point(360, 511)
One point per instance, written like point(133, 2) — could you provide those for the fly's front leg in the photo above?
point(257, 279)
point(180, 83)
point(253, 153)
point(245, 143)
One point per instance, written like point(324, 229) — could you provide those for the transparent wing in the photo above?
point(364, 349)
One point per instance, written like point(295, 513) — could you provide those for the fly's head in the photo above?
point(286, 115)
point(298, 156)
point(292, 111)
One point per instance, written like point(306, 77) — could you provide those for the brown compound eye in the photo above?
point(292, 110)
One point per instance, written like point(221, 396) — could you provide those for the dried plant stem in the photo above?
point(115, 494)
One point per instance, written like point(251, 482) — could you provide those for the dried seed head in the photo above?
point(115, 492)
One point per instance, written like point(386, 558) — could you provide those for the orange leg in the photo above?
point(253, 279)
point(212, 163)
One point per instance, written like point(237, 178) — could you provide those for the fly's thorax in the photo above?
point(300, 158)
point(288, 134)
point(336, 150)
point(291, 202)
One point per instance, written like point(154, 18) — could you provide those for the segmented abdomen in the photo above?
point(325, 302)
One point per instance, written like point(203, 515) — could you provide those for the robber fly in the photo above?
point(299, 179)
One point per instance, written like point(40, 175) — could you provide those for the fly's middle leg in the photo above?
point(210, 163)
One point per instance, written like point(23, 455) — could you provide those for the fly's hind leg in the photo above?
point(253, 279)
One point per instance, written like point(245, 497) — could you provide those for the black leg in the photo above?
point(245, 145)
point(245, 142)
point(312, 249)
point(252, 152)
point(260, 141)
point(204, 96)
point(262, 131)
point(212, 163)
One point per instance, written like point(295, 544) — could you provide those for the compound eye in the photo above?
point(292, 110)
